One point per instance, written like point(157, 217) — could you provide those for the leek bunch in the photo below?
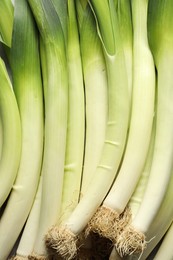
point(86, 129)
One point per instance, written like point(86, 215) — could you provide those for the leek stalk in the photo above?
point(96, 99)
point(138, 194)
point(56, 107)
point(28, 90)
point(11, 135)
point(76, 119)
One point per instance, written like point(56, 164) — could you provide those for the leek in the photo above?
point(56, 107)
point(64, 238)
point(160, 23)
point(11, 135)
point(95, 80)
point(28, 90)
point(76, 119)
point(139, 131)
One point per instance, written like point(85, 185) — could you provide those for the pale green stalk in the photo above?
point(95, 80)
point(56, 106)
point(137, 196)
point(76, 119)
point(11, 135)
point(28, 89)
point(139, 130)
point(27, 240)
point(160, 23)
point(63, 238)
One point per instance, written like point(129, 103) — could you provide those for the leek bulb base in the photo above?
point(109, 223)
point(131, 241)
point(62, 241)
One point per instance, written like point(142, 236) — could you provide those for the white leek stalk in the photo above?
point(28, 89)
point(27, 240)
point(10, 133)
point(95, 80)
point(137, 196)
point(106, 219)
point(63, 238)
